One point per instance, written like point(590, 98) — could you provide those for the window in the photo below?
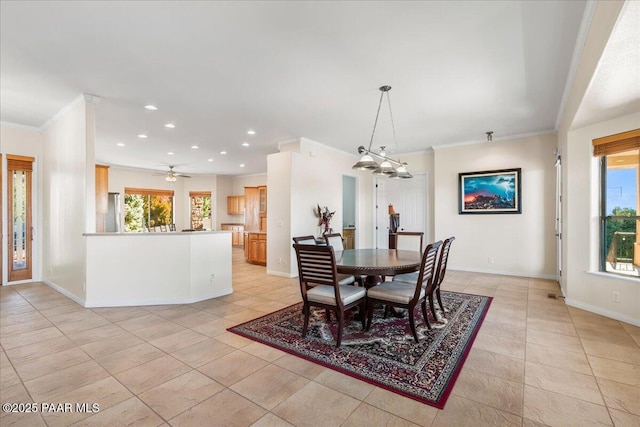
point(200, 208)
point(147, 209)
point(619, 204)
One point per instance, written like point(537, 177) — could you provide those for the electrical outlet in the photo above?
point(616, 296)
point(279, 260)
point(213, 276)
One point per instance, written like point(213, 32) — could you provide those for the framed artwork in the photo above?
point(490, 192)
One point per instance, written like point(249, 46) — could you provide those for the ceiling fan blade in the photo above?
point(183, 176)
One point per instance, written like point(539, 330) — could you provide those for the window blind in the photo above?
point(617, 143)
point(148, 192)
point(199, 193)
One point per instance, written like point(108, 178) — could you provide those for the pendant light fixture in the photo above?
point(392, 168)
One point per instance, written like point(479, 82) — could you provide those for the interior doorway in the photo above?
point(19, 215)
point(409, 199)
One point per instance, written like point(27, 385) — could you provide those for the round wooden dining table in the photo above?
point(375, 263)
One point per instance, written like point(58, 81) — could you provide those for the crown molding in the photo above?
point(80, 100)
point(499, 139)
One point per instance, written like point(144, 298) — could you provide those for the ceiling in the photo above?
point(285, 70)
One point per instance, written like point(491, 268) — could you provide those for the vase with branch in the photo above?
point(324, 216)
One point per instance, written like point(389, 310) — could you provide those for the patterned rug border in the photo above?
point(440, 404)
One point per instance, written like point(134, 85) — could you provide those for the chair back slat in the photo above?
point(316, 266)
point(305, 240)
point(429, 258)
point(442, 262)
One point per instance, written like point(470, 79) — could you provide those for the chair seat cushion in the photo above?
point(399, 292)
point(407, 277)
point(325, 294)
point(346, 279)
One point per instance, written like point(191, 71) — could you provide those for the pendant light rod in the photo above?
point(383, 89)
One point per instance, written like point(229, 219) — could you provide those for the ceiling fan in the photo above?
point(172, 175)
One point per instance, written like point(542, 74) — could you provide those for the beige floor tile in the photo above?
point(129, 357)
point(44, 365)
point(633, 331)
point(401, 406)
point(96, 334)
point(244, 315)
point(316, 402)
point(568, 383)
point(557, 410)
point(222, 409)
point(202, 352)
point(130, 412)
point(504, 346)
point(140, 322)
point(487, 389)
point(265, 352)
point(8, 377)
point(300, 366)
point(270, 420)
point(153, 332)
point(118, 314)
point(345, 384)
point(39, 349)
point(559, 341)
point(620, 396)
point(47, 387)
point(178, 340)
point(464, 412)
point(503, 330)
point(214, 327)
point(609, 334)
point(621, 372)
point(151, 374)
point(15, 394)
point(502, 366)
point(179, 394)
point(233, 340)
point(558, 358)
point(367, 415)
point(269, 386)
point(195, 319)
point(624, 419)
point(550, 326)
point(108, 346)
point(233, 367)
point(105, 393)
point(620, 353)
point(72, 326)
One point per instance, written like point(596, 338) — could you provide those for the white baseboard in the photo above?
point(156, 301)
point(64, 292)
point(504, 273)
point(602, 312)
point(281, 274)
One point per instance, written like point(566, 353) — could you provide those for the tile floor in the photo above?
point(535, 362)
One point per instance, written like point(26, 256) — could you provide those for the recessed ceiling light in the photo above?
point(195, 147)
point(170, 125)
point(142, 135)
point(245, 144)
point(251, 132)
point(120, 144)
point(151, 107)
point(209, 160)
point(223, 152)
point(241, 165)
point(170, 153)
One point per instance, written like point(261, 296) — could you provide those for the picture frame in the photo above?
point(490, 192)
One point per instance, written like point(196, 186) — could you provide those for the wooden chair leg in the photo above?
point(307, 312)
point(327, 313)
point(439, 300)
point(424, 314)
point(412, 324)
point(433, 308)
point(369, 314)
point(340, 315)
point(363, 313)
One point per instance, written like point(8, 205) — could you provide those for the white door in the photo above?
point(409, 199)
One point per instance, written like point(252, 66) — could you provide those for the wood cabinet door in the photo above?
point(262, 251)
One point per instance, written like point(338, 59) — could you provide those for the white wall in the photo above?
point(522, 245)
point(585, 287)
point(20, 140)
point(67, 172)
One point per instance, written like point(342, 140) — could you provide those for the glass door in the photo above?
point(19, 224)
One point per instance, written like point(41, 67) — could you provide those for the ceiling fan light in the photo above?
point(366, 163)
point(171, 178)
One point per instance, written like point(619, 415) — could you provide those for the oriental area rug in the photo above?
point(387, 355)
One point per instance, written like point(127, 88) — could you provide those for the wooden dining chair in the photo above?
point(343, 279)
point(409, 240)
point(335, 241)
point(441, 270)
point(320, 287)
point(172, 227)
point(163, 228)
point(407, 294)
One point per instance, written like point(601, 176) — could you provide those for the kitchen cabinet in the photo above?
point(262, 207)
point(102, 196)
point(237, 235)
point(235, 205)
point(251, 209)
point(255, 250)
point(349, 236)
